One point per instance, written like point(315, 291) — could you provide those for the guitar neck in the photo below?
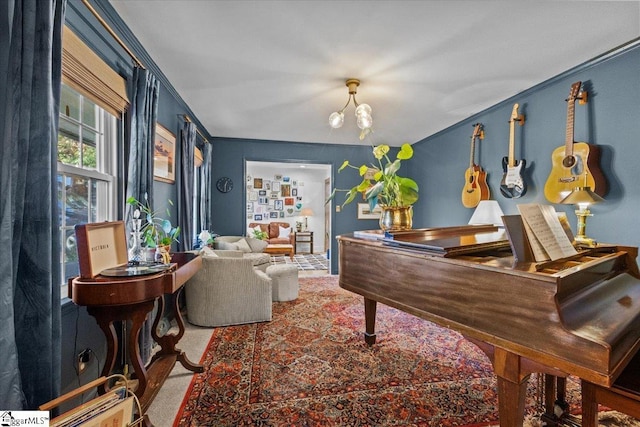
point(568, 143)
point(473, 150)
point(512, 160)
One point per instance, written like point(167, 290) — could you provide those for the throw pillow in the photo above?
point(226, 246)
point(243, 245)
point(208, 252)
point(283, 233)
point(257, 245)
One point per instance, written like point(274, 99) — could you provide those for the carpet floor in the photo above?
point(303, 261)
point(309, 366)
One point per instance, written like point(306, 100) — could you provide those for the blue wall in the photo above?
point(610, 119)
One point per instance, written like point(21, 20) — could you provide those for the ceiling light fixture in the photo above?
point(364, 120)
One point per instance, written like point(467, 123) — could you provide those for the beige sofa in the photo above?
point(245, 247)
point(228, 290)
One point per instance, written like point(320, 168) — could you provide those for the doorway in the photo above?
point(279, 191)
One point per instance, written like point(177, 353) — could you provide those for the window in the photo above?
point(87, 190)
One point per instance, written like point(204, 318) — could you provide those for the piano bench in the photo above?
point(622, 396)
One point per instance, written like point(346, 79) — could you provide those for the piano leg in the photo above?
point(370, 321)
point(512, 387)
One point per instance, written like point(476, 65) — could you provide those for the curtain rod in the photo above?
point(113, 34)
point(188, 119)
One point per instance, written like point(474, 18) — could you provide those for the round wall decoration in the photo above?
point(224, 184)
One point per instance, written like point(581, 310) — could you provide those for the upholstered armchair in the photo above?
point(228, 291)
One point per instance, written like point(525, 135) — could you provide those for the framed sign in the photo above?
point(364, 212)
point(164, 155)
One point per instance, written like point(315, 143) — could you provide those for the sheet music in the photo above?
point(544, 226)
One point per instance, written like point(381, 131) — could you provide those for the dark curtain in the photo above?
point(204, 175)
point(143, 111)
point(185, 189)
point(29, 235)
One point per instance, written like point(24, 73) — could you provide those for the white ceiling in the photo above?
point(275, 70)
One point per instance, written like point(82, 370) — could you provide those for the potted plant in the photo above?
point(381, 185)
point(156, 231)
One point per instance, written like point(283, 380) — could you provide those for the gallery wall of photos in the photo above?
point(273, 198)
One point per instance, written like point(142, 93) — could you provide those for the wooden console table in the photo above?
point(111, 299)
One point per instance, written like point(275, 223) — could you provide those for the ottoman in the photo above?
point(284, 282)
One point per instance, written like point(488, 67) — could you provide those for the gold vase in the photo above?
point(396, 218)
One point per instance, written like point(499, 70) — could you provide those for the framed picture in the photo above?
point(281, 214)
point(257, 183)
point(273, 214)
point(288, 201)
point(286, 178)
point(277, 205)
point(275, 186)
point(275, 195)
point(294, 192)
point(164, 155)
point(266, 184)
point(365, 213)
point(263, 200)
point(253, 196)
point(257, 217)
point(262, 192)
point(249, 207)
point(286, 190)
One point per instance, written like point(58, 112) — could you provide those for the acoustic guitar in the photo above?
point(512, 184)
point(475, 179)
point(575, 164)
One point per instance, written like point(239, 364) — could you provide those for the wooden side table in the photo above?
point(304, 238)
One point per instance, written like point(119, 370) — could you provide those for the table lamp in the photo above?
point(306, 212)
point(583, 197)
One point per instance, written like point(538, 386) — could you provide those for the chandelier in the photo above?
point(364, 120)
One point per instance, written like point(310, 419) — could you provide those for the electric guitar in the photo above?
point(475, 185)
point(575, 164)
point(512, 184)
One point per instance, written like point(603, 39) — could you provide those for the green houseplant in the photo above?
point(156, 231)
point(381, 185)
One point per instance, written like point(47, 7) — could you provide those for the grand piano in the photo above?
point(574, 316)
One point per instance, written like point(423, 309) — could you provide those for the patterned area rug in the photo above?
point(309, 366)
point(304, 262)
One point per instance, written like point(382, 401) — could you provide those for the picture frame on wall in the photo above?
point(257, 183)
point(277, 205)
point(294, 192)
point(364, 212)
point(257, 217)
point(164, 155)
point(275, 186)
point(273, 214)
point(285, 189)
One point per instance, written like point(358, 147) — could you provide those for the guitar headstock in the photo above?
point(515, 117)
point(573, 93)
point(478, 131)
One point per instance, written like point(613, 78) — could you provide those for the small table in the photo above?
point(304, 238)
point(280, 249)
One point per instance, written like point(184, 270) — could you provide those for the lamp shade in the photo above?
point(306, 212)
point(582, 196)
point(487, 212)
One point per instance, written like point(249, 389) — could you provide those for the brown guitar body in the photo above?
point(565, 177)
point(475, 187)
